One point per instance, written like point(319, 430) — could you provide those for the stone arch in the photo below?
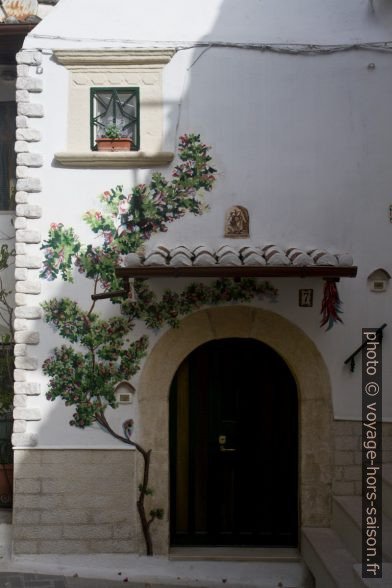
point(313, 385)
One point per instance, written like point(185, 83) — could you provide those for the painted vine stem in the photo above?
point(101, 352)
point(144, 489)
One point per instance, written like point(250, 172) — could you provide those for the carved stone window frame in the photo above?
point(140, 68)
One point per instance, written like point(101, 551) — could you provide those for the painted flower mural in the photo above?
point(101, 352)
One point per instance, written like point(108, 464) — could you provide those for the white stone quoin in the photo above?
point(27, 287)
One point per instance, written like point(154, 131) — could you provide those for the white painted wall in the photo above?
point(304, 142)
point(152, 22)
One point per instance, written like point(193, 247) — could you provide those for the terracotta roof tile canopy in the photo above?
point(269, 261)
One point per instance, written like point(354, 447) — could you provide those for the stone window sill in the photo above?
point(116, 159)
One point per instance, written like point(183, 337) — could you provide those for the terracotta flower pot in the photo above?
point(6, 484)
point(114, 144)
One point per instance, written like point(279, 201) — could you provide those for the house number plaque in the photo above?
point(306, 297)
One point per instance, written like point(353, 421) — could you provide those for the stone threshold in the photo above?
point(159, 571)
point(268, 554)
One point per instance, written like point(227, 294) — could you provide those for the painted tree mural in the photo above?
point(100, 353)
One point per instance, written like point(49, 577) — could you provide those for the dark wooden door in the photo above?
point(234, 447)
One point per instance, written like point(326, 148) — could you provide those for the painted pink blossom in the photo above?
point(107, 235)
point(123, 207)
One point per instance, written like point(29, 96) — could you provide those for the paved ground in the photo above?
point(11, 580)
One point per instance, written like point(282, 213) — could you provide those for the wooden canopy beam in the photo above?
point(325, 272)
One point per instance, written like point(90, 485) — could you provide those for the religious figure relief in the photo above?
point(237, 222)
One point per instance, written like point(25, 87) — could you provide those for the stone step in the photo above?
point(327, 558)
point(251, 554)
point(384, 582)
point(159, 572)
point(347, 522)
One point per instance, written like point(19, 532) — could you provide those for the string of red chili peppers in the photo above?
point(331, 305)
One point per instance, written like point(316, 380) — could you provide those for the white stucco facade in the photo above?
point(293, 100)
point(313, 170)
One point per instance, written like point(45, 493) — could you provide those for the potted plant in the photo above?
point(112, 140)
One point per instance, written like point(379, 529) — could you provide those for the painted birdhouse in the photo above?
point(378, 280)
point(124, 392)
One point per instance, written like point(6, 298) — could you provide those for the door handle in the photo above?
point(222, 441)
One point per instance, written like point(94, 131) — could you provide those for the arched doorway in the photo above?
point(314, 402)
point(234, 447)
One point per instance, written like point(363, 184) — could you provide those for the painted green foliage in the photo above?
point(101, 352)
